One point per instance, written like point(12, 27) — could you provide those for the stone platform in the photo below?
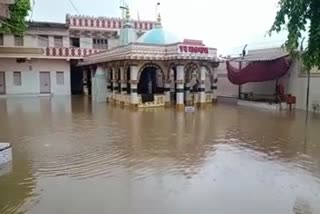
point(263, 105)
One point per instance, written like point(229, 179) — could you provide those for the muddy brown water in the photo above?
point(73, 157)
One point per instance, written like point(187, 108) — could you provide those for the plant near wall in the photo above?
point(297, 17)
point(16, 24)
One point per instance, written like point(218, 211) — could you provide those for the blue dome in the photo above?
point(158, 36)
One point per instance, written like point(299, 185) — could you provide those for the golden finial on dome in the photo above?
point(159, 18)
point(127, 13)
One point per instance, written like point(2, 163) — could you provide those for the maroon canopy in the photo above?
point(259, 71)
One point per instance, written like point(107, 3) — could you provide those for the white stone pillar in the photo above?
point(167, 93)
point(134, 86)
point(115, 84)
point(123, 81)
point(100, 85)
point(202, 89)
point(180, 88)
point(172, 85)
point(109, 84)
point(109, 88)
point(214, 86)
point(187, 93)
point(92, 73)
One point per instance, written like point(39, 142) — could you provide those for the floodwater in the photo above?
point(71, 157)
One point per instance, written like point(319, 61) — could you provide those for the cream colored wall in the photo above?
point(51, 41)
point(8, 40)
point(298, 87)
point(30, 75)
point(66, 41)
point(86, 42)
point(113, 43)
point(225, 87)
point(32, 41)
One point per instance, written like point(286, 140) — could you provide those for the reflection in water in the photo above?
point(71, 156)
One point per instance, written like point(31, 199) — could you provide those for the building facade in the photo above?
point(42, 61)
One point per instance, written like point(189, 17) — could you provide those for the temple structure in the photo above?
point(158, 69)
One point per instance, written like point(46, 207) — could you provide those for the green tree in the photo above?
point(16, 23)
point(297, 17)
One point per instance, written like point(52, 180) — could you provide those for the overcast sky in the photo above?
point(225, 24)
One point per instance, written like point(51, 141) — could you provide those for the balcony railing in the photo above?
point(70, 52)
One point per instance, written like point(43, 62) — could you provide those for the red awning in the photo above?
point(259, 71)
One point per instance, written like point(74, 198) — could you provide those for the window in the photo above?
point(100, 43)
point(58, 41)
point(43, 41)
point(1, 39)
point(75, 42)
point(18, 40)
point(60, 77)
point(17, 78)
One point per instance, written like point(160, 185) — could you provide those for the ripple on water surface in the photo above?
point(111, 160)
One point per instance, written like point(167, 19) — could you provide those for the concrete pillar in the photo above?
point(100, 85)
point(109, 88)
point(92, 73)
point(180, 88)
point(108, 74)
point(202, 89)
point(109, 85)
point(172, 85)
point(167, 93)
point(123, 81)
point(119, 80)
point(134, 86)
point(115, 84)
point(214, 86)
point(187, 93)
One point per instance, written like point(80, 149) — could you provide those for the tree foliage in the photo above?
point(297, 17)
point(16, 23)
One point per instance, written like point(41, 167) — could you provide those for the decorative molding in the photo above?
point(133, 82)
point(70, 52)
point(179, 90)
point(106, 23)
point(145, 52)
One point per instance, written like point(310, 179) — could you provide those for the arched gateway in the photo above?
point(158, 69)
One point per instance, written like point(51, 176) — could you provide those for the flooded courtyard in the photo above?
point(74, 157)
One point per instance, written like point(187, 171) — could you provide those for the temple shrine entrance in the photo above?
point(192, 84)
point(151, 80)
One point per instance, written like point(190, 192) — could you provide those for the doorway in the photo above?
point(2, 83)
point(45, 84)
